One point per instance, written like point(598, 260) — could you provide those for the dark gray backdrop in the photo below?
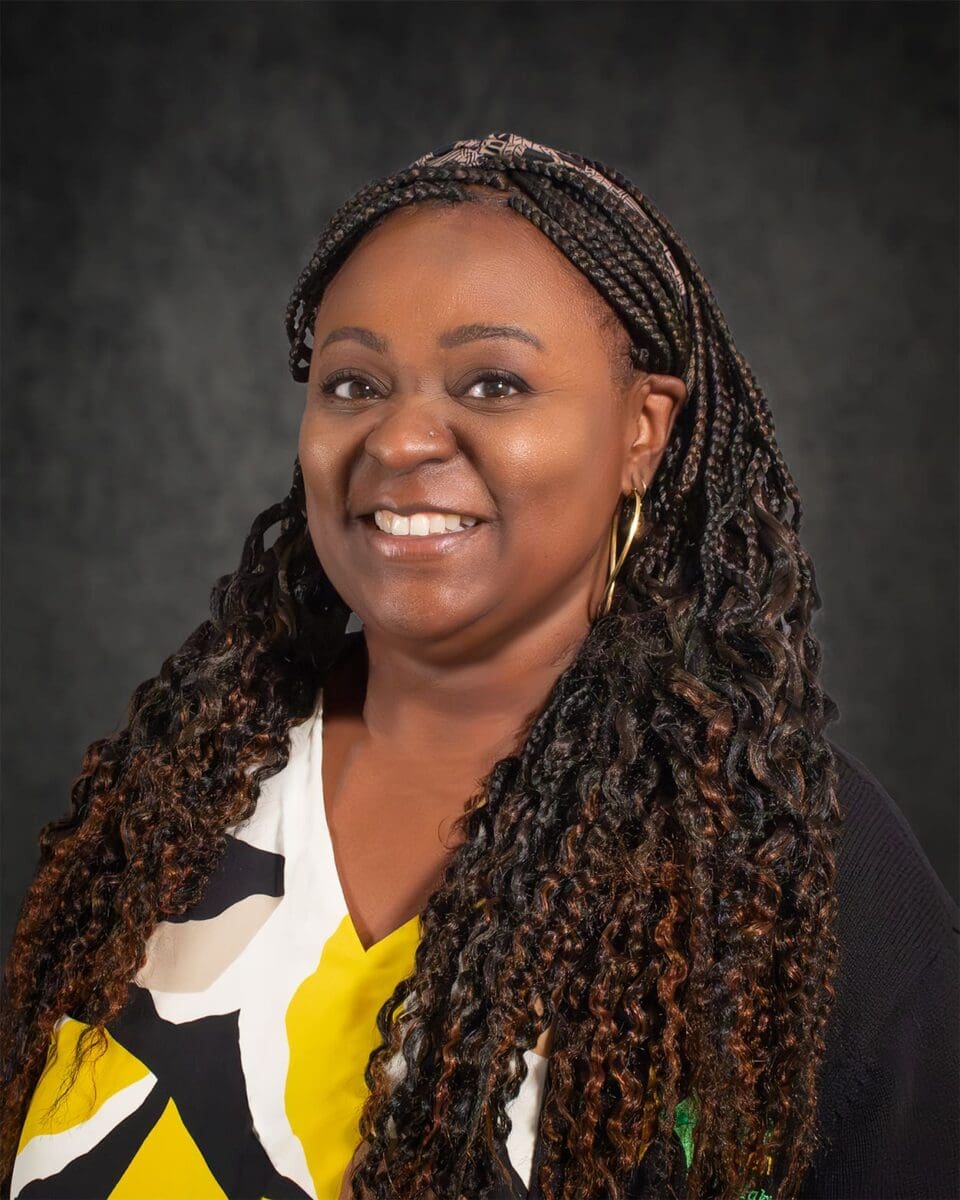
point(166, 169)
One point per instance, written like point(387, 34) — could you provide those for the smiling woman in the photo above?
point(546, 881)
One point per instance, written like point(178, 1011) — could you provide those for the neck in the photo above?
point(463, 706)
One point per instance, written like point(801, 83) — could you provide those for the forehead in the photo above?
point(479, 257)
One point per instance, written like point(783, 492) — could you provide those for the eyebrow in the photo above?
point(452, 337)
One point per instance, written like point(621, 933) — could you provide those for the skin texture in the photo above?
point(459, 649)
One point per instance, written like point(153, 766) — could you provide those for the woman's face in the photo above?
point(401, 414)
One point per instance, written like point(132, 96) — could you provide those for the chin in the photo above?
point(430, 624)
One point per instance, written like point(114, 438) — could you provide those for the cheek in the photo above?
point(319, 457)
point(320, 463)
point(559, 489)
point(566, 472)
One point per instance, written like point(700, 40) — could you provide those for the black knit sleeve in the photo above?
point(891, 1079)
point(896, 1136)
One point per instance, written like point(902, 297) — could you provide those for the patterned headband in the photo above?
point(505, 146)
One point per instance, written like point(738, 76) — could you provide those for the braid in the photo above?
point(651, 872)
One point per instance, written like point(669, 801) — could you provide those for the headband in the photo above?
point(506, 146)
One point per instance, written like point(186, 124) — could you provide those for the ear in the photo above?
point(651, 406)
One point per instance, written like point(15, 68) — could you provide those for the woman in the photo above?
point(547, 880)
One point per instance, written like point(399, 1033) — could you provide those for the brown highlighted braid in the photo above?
point(657, 860)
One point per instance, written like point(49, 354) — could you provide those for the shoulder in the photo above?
point(899, 945)
point(891, 1042)
point(893, 908)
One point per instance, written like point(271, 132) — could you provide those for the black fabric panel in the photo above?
point(198, 1064)
point(95, 1174)
point(245, 870)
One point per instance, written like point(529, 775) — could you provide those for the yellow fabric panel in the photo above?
point(331, 1028)
point(100, 1077)
point(168, 1164)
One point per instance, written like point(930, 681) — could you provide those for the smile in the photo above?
point(417, 546)
point(420, 524)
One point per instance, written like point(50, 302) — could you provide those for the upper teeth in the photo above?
point(421, 524)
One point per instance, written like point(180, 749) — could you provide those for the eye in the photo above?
point(503, 378)
point(332, 384)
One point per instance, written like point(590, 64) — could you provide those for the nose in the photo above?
point(410, 434)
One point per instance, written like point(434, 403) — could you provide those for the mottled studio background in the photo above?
point(166, 168)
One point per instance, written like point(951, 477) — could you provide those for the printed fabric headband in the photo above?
point(505, 146)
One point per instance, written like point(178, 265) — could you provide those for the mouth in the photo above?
point(413, 547)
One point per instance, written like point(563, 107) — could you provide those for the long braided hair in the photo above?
point(653, 869)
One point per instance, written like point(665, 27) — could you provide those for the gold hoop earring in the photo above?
point(617, 560)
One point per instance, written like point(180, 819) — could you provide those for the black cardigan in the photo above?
point(890, 1083)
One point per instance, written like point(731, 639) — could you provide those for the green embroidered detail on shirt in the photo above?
point(684, 1121)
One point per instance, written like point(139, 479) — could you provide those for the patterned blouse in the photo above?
point(236, 1068)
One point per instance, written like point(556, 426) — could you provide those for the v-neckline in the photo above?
point(374, 949)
